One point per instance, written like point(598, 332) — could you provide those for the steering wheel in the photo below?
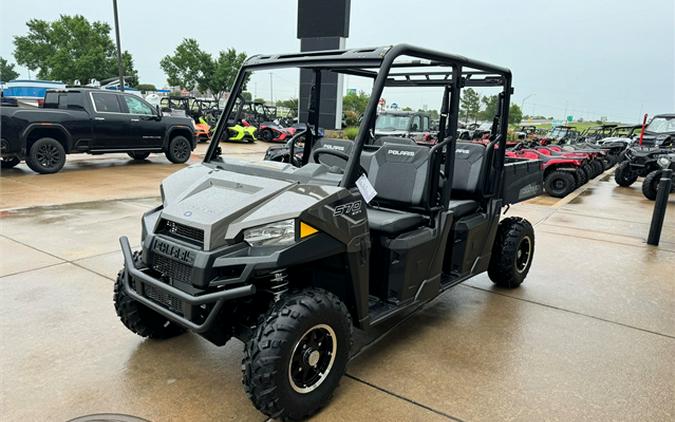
point(335, 153)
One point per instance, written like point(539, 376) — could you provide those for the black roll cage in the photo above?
point(378, 63)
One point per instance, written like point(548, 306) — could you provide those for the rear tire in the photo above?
point(650, 184)
point(598, 166)
point(179, 150)
point(138, 155)
point(512, 253)
point(309, 330)
point(623, 176)
point(137, 317)
point(559, 184)
point(8, 163)
point(46, 156)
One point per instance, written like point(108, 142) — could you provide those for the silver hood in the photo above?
point(222, 203)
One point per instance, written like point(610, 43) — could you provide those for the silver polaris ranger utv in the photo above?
point(290, 258)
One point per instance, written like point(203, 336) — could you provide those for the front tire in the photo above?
point(559, 184)
point(137, 317)
point(623, 176)
point(310, 331)
point(512, 253)
point(266, 135)
point(179, 150)
point(650, 184)
point(8, 163)
point(46, 156)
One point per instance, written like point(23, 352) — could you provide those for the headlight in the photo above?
point(281, 233)
point(663, 161)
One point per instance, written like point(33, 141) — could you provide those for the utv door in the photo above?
point(146, 127)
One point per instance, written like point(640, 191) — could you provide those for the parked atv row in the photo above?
point(564, 170)
point(649, 159)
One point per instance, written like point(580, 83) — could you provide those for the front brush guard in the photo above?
point(219, 298)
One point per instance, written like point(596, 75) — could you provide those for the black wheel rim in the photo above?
point(312, 358)
point(48, 155)
point(181, 150)
point(559, 185)
point(523, 254)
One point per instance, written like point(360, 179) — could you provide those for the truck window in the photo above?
point(136, 106)
point(105, 103)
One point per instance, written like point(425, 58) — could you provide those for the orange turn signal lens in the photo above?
point(306, 230)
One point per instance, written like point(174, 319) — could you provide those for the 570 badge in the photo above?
point(173, 251)
point(350, 208)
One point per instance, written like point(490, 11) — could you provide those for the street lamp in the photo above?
point(522, 102)
point(119, 48)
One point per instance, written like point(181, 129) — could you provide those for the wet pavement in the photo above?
point(589, 336)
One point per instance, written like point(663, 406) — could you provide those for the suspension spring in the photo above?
point(278, 283)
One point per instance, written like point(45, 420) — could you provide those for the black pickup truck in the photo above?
point(94, 121)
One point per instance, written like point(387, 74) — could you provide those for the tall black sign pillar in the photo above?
point(323, 25)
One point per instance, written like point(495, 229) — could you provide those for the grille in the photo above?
point(172, 269)
point(166, 299)
point(191, 234)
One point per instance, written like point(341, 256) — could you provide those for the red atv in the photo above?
point(561, 174)
point(593, 167)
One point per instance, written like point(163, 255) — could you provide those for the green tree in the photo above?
point(355, 102)
point(71, 48)
point(406, 108)
point(7, 72)
point(184, 68)
point(190, 67)
point(247, 95)
point(218, 75)
point(470, 104)
point(490, 110)
point(146, 87)
point(515, 114)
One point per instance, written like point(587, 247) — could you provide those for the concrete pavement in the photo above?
point(589, 336)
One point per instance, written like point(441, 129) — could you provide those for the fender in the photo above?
point(173, 128)
point(46, 125)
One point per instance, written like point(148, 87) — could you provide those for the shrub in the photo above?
point(350, 132)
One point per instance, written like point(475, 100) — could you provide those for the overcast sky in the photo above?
point(588, 58)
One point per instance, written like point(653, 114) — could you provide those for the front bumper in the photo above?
point(209, 302)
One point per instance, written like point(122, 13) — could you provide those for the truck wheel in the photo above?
point(8, 163)
point(650, 184)
point(559, 184)
point(598, 166)
point(179, 150)
point(512, 252)
point(137, 317)
point(297, 354)
point(46, 156)
point(588, 169)
point(623, 176)
point(138, 155)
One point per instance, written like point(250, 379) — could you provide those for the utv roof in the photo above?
point(666, 115)
point(360, 61)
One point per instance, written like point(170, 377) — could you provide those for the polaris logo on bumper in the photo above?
point(401, 153)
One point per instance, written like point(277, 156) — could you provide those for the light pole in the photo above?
point(271, 89)
point(522, 102)
point(120, 68)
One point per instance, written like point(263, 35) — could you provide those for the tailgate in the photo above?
point(523, 179)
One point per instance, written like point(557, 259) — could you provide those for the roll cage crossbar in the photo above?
point(452, 72)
